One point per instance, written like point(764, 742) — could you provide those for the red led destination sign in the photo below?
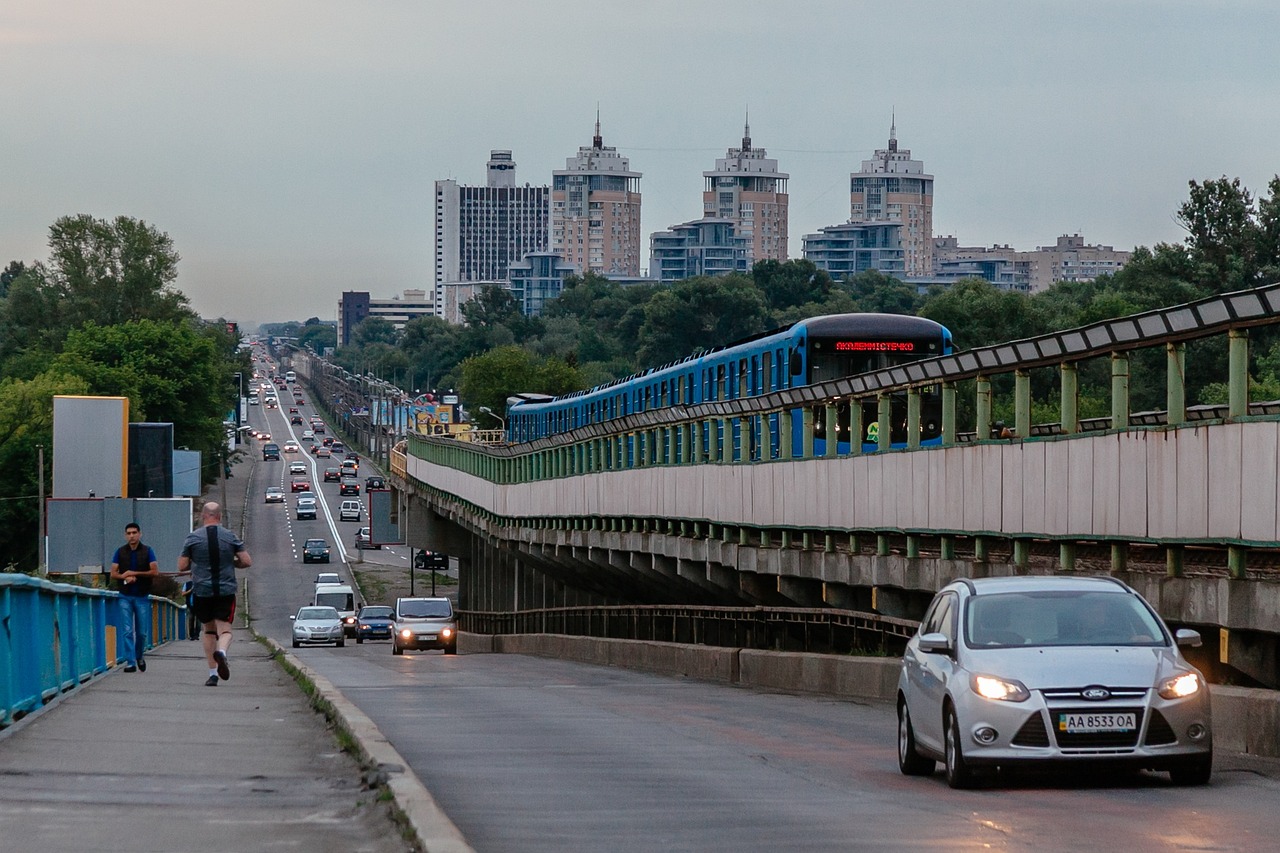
point(875, 346)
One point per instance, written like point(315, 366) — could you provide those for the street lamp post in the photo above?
point(485, 410)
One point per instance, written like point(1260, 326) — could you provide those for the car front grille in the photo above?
point(1032, 733)
point(1159, 732)
point(1076, 694)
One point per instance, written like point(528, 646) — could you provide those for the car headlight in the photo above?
point(350, 620)
point(1000, 689)
point(446, 633)
point(406, 633)
point(1179, 686)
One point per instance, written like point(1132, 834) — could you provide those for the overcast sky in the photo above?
point(290, 148)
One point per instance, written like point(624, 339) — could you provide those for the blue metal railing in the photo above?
point(54, 637)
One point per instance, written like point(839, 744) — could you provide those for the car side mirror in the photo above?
point(1187, 637)
point(935, 643)
point(291, 618)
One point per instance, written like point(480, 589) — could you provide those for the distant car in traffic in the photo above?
point(318, 625)
point(295, 420)
point(374, 483)
point(375, 622)
point(297, 468)
point(270, 452)
point(300, 484)
point(315, 551)
point(349, 510)
point(291, 446)
point(322, 452)
point(332, 475)
point(273, 495)
point(305, 508)
point(1039, 670)
point(364, 539)
point(425, 623)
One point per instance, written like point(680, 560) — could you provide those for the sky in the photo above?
point(290, 149)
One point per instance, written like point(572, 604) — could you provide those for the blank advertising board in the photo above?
point(90, 446)
point(383, 517)
point(84, 533)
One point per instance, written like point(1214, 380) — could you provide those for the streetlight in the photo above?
point(485, 410)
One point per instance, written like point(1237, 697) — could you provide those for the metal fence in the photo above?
point(54, 637)
point(822, 630)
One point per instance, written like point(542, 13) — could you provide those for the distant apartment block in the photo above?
point(854, 247)
point(481, 231)
point(355, 306)
point(891, 187)
point(703, 247)
point(1070, 259)
point(538, 279)
point(747, 189)
point(595, 211)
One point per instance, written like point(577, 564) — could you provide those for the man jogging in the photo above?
point(211, 554)
point(132, 568)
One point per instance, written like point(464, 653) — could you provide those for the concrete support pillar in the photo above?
point(1238, 373)
point(1022, 403)
point(803, 591)
point(1069, 376)
point(983, 425)
point(1119, 390)
point(1176, 383)
point(913, 417)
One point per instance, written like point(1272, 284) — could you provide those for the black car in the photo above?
point(315, 551)
point(270, 451)
point(332, 475)
point(374, 483)
point(295, 419)
point(349, 487)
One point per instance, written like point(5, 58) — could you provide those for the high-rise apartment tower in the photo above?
point(746, 188)
point(595, 211)
point(481, 231)
point(894, 188)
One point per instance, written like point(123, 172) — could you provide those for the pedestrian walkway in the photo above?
point(157, 761)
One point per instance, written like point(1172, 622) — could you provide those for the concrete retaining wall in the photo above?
point(1244, 720)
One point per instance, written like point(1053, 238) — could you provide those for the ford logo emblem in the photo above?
point(1096, 694)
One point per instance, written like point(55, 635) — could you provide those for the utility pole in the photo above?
point(41, 566)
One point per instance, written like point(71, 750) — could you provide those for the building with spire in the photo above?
point(595, 211)
point(747, 189)
point(891, 187)
point(481, 231)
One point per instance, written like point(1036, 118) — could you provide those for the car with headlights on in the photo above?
point(318, 625)
point(425, 623)
point(375, 622)
point(1050, 671)
point(273, 495)
point(315, 551)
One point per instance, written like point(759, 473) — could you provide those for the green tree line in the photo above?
point(102, 316)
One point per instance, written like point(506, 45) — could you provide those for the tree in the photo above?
point(700, 313)
point(374, 330)
point(318, 336)
point(786, 284)
point(490, 377)
point(11, 272)
point(876, 292)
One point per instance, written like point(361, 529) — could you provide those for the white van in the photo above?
point(340, 597)
point(349, 511)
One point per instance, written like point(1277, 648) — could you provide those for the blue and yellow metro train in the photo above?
point(814, 350)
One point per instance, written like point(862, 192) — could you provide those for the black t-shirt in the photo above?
point(137, 560)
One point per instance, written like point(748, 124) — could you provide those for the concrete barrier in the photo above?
point(1244, 720)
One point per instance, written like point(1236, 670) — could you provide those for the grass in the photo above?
point(372, 585)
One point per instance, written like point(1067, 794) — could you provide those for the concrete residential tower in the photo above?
point(595, 211)
point(894, 188)
point(746, 188)
point(481, 231)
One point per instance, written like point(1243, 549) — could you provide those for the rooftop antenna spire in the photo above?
point(746, 132)
point(597, 141)
point(893, 130)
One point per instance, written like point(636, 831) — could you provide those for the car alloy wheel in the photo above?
point(910, 762)
point(959, 774)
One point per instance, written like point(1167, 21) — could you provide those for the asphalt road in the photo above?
point(529, 754)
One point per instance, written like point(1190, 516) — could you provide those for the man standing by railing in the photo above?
point(132, 568)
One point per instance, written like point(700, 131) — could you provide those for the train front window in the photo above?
point(832, 358)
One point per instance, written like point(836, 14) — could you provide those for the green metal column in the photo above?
point(1021, 552)
point(1238, 373)
point(806, 433)
point(1176, 387)
point(1067, 556)
point(884, 423)
point(948, 414)
point(1173, 561)
point(786, 423)
point(983, 426)
point(1119, 390)
point(855, 426)
point(913, 546)
point(980, 549)
point(1119, 557)
point(831, 426)
point(947, 547)
point(913, 417)
point(1022, 403)
point(1069, 375)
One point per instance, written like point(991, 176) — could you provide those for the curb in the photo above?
point(432, 828)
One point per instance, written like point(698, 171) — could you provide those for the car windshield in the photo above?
point(376, 613)
point(432, 609)
point(316, 543)
point(1061, 618)
point(317, 613)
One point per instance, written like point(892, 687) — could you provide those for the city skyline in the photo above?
point(293, 158)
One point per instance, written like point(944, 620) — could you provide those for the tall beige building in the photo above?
point(894, 188)
point(595, 211)
point(746, 188)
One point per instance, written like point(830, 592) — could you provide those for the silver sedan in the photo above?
point(318, 625)
point(1031, 670)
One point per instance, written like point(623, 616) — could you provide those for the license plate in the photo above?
point(1088, 723)
point(426, 636)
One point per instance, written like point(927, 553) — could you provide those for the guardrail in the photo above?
point(778, 628)
point(54, 637)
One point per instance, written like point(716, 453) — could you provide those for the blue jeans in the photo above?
point(135, 612)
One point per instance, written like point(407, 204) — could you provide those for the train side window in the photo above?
point(797, 362)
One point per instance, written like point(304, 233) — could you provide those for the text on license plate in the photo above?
point(426, 636)
point(1083, 723)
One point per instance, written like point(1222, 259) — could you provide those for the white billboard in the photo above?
point(90, 446)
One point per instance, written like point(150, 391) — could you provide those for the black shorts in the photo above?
point(221, 608)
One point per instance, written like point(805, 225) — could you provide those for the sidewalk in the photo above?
point(156, 761)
